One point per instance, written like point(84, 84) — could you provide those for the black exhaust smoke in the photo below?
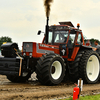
point(47, 4)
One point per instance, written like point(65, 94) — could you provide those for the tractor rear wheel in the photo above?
point(74, 67)
point(89, 67)
point(50, 69)
point(85, 66)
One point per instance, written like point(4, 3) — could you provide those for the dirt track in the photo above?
point(33, 90)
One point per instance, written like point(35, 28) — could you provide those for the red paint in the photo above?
point(76, 93)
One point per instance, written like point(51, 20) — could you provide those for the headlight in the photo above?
point(24, 54)
point(30, 55)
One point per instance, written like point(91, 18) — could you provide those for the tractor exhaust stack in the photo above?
point(47, 5)
point(47, 31)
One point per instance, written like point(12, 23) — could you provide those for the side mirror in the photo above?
point(39, 32)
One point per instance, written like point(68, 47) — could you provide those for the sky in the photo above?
point(21, 19)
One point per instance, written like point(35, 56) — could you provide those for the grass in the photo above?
point(91, 97)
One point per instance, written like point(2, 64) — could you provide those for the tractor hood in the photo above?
point(36, 50)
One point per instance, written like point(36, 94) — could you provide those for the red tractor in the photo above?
point(61, 53)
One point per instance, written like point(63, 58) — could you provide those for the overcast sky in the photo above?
point(21, 19)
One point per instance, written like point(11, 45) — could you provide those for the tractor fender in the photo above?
point(85, 47)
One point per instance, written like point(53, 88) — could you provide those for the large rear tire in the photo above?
point(89, 67)
point(74, 67)
point(50, 69)
point(85, 66)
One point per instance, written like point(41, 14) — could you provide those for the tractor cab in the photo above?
point(66, 37)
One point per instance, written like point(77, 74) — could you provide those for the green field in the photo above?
point(92, 97)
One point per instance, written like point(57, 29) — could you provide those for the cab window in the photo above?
point(59, 36)
point(79, 40)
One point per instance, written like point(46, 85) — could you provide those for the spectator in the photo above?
point(97, 48)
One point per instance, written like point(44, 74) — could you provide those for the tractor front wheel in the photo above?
point(50, 69)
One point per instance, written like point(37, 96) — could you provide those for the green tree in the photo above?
point(92, 41)
point(4, 39)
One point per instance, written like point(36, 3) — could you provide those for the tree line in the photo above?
point(8, 39)
point(92, 41)
point(4, 40)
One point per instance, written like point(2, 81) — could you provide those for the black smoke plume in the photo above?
point(47, 4)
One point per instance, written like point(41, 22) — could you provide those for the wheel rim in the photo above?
point(92, 68)
point(56, 70)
